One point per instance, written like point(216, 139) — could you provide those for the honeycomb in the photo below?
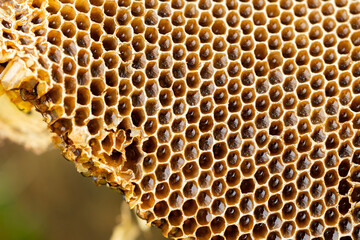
point(218, 119)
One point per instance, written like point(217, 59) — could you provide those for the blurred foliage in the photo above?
point(42, 197)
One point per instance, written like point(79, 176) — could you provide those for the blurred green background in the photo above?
point(42, 197)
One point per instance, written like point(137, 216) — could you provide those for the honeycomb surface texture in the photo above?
point(218, 119)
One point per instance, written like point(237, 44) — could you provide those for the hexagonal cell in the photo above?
point(246, 223)
point(189, 226)
point(204, 198)
point(148, 200)
point(161, 209)
point(54, 37)
point(148, 183)
point(260, 230)
point(83, 96)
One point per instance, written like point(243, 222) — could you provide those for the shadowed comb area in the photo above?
point(218, 119)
